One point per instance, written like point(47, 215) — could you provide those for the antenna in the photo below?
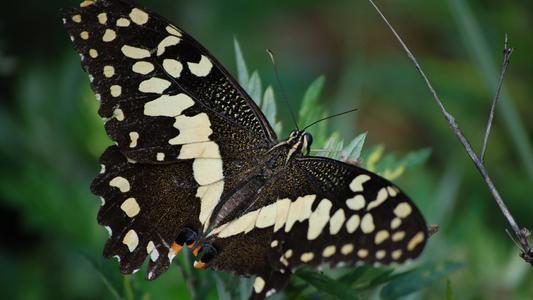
point(284, 96)
point(329, 117)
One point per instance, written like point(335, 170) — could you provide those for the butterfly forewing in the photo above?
point(163, 96)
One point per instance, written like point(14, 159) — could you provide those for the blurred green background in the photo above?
point(51, 136)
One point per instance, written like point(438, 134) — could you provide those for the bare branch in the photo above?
point(506, 58)
point(520, 234)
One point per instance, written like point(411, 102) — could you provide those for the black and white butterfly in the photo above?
point(195, 163)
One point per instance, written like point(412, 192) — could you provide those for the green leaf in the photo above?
point(416, 158)
point(245, 287)
point(222, 291)
point(386, 276)
point(309, 110)
point(268, 105)
point(254, 88)
point(328, 285)
point(331, 144)
point(449, 291)
point(418, 279)
point(354, 275)
point(353, 150)
point(242, 70)
point(337, 150)
point(108, 277)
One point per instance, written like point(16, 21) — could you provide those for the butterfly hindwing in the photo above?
point(352, 216)
point(144, 208)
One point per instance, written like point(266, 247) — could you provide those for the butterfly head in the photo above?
point(299, 141)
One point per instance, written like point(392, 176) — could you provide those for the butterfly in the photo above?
point(196, 164)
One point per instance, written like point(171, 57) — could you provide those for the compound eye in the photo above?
point(186, 237)
point(308, 139)
point(207, 253)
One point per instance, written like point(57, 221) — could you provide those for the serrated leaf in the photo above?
point(222, 291)
point(416, 158)
point(373, 158)
point(330, 145)
point(328, 285)
point(354, 275)
point(337, 151)
point(353, 150)
point(268, 105)
point(391, 168)
point(418, 279)
point(242, 70)
point(310, 110)
point(245, 287)
point(254, 88)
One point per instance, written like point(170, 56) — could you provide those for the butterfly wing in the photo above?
point(144, 207)
point(319, 211)
point(354, 216)
point(182, 126)
point(163, 96)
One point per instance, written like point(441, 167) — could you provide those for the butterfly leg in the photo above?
point(266, 285)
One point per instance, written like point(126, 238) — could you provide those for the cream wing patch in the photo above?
point(142, 67)
point(209, 196)
point(192, 129)
point(202, 68)
point(207, 170)
point(336, 221)
point(138, 16)
point(357, 183)
point(154, 85)
point(168, 106)
point(318, 219)
point(167, 42)
point(199, 150)
point(131, 239)
point(134, 52)
point(121, 183)
point(173, 67)
point(299, 211)
point(282, 211)
point(267, 216)
point(130, 207)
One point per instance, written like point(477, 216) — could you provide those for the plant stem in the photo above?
point(506, 58)
point(521, 235)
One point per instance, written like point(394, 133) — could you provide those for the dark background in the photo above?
point(50, 135)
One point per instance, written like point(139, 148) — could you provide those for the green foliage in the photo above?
point(328, 285)
point(411, 281)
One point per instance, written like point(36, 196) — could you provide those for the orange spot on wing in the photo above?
point(176, 247)
point(199, 265)
point(196, 250)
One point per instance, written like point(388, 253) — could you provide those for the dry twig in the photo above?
point(521, 235)
point(506, 58)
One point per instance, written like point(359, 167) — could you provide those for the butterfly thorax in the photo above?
point(298, 142)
